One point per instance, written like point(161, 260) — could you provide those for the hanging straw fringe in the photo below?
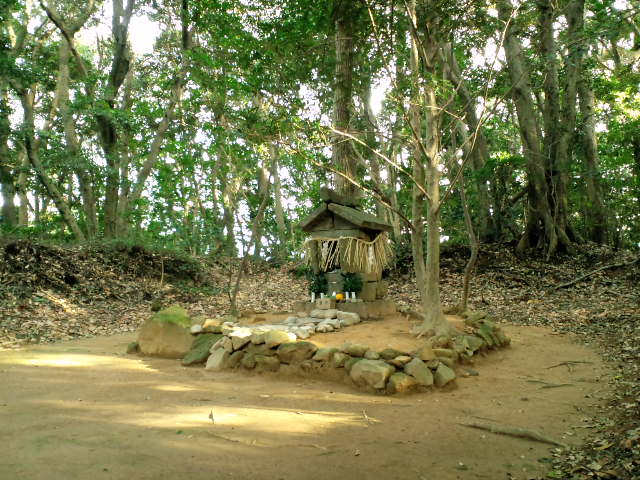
point(351, 254)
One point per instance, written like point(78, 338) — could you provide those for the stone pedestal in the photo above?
point(366, 310)
point(335, 282)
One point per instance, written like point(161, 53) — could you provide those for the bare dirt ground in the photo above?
point(82, 409)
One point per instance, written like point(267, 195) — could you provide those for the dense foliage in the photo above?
point(237, 102)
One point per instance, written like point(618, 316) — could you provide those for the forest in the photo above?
point(526, 115)
point(169, 151)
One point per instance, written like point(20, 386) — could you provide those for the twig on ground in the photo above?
point(515, 432)
point(366, 417)
point(568, 363)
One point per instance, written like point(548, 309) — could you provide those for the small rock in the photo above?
point(445, 352)
point(234, 359)
point(330, 314)
point(200, 349)
point(355, 349)
point(261, 349)
point(257, 336)
point(372, 373)
point(334, 322)
point(433, 364)
point(502, 339)
point(217, 360)
point(449, 362)
point(339, 359)
point(302, 333)
point(227, 328)
point(295, 352)
point(486, 333)
point(267, 364)
point(350, 362)
point(399, 361)
point(273, 338)
point(324, 328)
point(400, 383)
point(291, 320)
point(418, 370)
point(224, 343)
point(212, 325)
point(325, 354)
point(348, 318)
point(134, 347)
point(425, 353)
point(371, 355)
point(196, 329)
point(240, 337)
point(248, 361)
point(443, 375)
point(391, 353)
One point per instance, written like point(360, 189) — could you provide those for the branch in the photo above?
point(593, 272)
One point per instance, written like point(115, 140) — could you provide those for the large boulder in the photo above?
point(200, 348)
point(296, 352)
point(166, 334)
point(371, 373)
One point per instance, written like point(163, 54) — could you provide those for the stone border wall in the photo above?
point(277, 348)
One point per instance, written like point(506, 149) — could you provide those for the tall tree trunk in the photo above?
point(424, 52)
point(80, 166)
point(107, 128)
point(277, 203)
point(635, 140)
point(418, 199)
point(342, 151)
point(596, 217)
point(23, 210)
point(566, 128)
point(175, 98)
point(478, 149)
point(540, 228)
point(9, 212)
point(26, 99)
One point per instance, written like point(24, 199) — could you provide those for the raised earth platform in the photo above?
point(377, 356)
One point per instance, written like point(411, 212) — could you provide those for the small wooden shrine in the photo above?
point(344, 239)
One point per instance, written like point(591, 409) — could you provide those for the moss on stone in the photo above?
point(173, 314)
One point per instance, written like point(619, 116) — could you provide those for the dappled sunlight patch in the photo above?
point(65, 360)
point(255, 419)
point(174, 388)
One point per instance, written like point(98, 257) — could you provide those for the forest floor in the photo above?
point(79, 405)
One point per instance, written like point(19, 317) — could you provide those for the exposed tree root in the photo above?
point(515, 432)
